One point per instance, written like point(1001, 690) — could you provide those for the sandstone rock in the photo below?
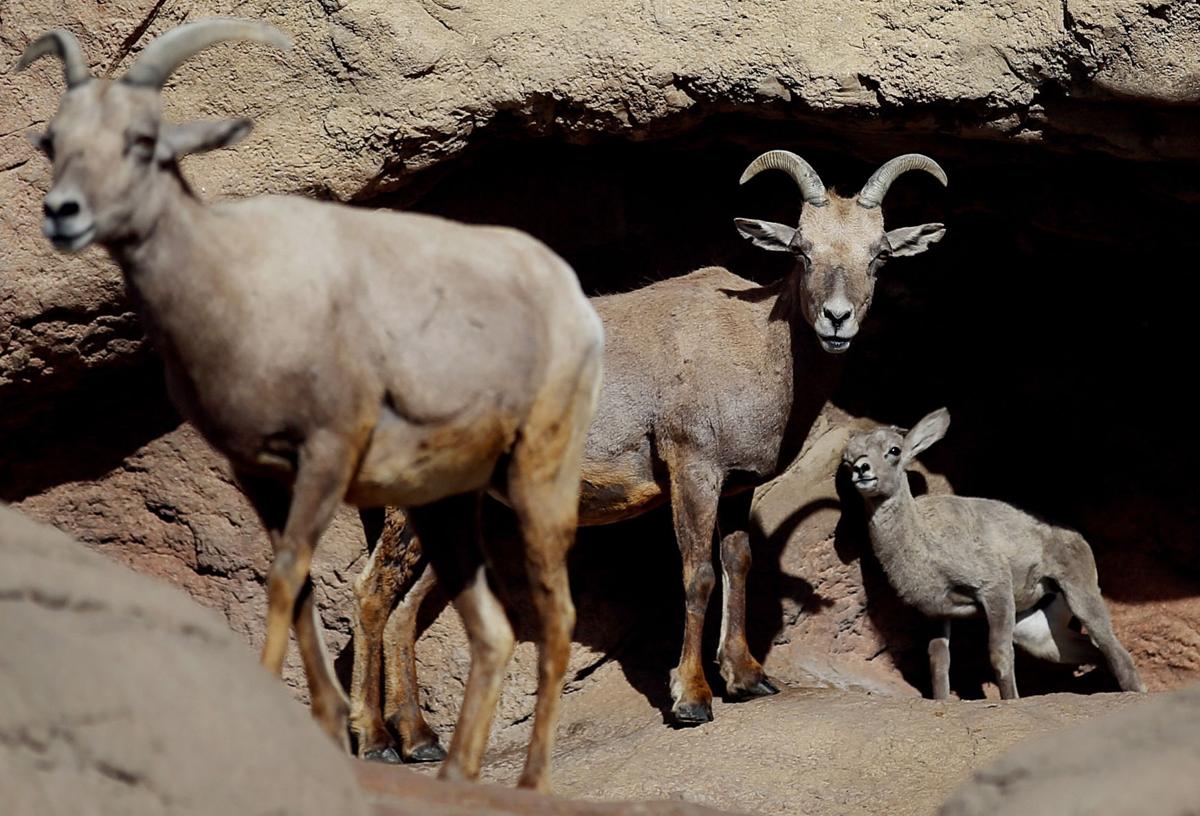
point(801, 753)
point(118, 695)
point(1143, 760)
point(376, 91)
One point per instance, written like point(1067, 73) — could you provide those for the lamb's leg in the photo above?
point(418, 742)
point(1000, 610)
point(1088, 605)
point(374, 602)
point(744, 676)
point(324, 468)
point(449, 530)
point(939, 661)
point(695, 490)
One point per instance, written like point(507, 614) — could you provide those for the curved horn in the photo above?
point(162, 56)
point(811, 188)
point(62, 44)
point(877, 185)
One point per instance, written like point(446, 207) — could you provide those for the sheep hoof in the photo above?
point(429, 752)
point(387, 754)
point(692, 713)
point(763, 688)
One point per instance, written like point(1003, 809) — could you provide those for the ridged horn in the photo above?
point(877, 185)
point(811, 188)
point(62, 44)
point(162, 56)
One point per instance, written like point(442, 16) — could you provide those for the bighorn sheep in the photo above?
point(338, 353)
point(711, 385)
point(956, 557)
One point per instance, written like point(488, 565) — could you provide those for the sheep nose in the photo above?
point(60, 208)
point(863, 468)
point(837, 318)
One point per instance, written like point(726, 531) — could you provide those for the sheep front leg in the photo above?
point(1001, 612)
point(744, 676)
point(695, 491)
point(325, 464)
point(939, 661)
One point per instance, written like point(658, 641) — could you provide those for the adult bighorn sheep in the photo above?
point(338, 353)
point(958, 557)
point(711, 385)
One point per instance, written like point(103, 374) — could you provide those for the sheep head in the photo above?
point(108, 143)
point(877, 459)
point(840, 243)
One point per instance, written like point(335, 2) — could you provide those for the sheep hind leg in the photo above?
point(1046, 633)
point(1087, 604)
point(449, 530)
point(374, 589)
point(418, 741)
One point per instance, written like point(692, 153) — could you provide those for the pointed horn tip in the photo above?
point(259, 30)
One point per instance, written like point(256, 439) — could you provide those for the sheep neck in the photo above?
point(897, 534)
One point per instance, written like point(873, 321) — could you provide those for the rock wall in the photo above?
point(1054, 320)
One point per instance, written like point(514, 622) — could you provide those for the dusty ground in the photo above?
point(804, 752)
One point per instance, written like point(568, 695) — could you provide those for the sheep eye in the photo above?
point(46, 145)
point(141, 146)
point(893, 451)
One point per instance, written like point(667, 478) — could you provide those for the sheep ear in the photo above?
point(767, 234)
point(197, 137)
point(914, 240)
point(925, 433)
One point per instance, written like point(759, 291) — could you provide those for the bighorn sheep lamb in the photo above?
point(338, 353)
point(956, 557)
point(711, 385)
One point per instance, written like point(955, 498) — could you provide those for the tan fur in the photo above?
point(711, 384)
point(338, 353)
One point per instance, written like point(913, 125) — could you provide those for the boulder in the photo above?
point(119, 695)
point(1142, 760)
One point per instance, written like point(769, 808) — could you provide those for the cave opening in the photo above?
point(1054, 320)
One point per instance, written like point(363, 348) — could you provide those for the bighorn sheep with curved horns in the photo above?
point(338, 353)
point(958, 557)
point(711, 385)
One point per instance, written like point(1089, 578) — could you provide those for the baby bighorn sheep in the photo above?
point(711, 385)
point(338, 353)
point(956, 557)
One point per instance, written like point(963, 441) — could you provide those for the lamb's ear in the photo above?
point(767, 234)
point(925, 433)
point(175, 140)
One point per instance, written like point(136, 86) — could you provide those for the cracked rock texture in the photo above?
point(119, 695)
point(1141, 759)
point(377, 90)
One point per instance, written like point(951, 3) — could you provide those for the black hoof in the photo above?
point(692, 713)
point(430, 752)
point(763, 688)
point(387, 755)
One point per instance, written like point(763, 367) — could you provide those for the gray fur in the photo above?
point(955, 556)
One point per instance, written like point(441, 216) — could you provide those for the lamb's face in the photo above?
point(874, 461)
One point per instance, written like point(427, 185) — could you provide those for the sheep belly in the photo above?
point(408, 464)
